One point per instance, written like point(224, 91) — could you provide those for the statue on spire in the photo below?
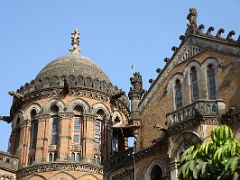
point(192, 17)
point(75, 42)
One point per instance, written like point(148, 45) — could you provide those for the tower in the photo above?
point(62, 120)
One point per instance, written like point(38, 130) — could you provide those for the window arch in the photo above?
point(101, 114)
point(194, 84)
point(78, 110)
point(178, 94)
point(54, 109)
point(211, 82)
point(156, 170)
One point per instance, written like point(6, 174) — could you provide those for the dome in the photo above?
point(73, 65)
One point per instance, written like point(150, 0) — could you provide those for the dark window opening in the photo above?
point(194, 84)
point(211, 82)
point(178, 94)
point(156, 173)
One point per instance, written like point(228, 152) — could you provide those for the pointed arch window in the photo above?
point(156, 173)
point(194, 84)
point(178, 94)
point(211, 82)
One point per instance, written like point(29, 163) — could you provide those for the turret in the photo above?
point(135, 95)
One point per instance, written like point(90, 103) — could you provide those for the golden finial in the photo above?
point(75, 42)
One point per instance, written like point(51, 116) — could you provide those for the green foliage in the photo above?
point(217, 159)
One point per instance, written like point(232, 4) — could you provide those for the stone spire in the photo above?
point(75, 42)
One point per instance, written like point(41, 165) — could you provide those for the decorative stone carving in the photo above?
point(192, 17)
point(84, 167)
point(88, 81)
point(96, 84)
point(219, 33)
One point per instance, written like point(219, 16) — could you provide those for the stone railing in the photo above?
point(52, 147)
point(8, 162)
point(121, 158)
point(202, 107)
point(76, 147)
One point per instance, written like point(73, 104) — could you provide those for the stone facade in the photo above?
point(163, 130)
point(71, 123)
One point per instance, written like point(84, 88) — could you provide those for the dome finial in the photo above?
point(75, 42)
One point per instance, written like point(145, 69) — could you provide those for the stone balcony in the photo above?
point(211, 108)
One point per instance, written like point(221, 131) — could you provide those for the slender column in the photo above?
point(84, 132)
point(64, 136)
point(45, 141)
point(89, 154)
point(24, 142)
point(70, 131)
point(41, 146)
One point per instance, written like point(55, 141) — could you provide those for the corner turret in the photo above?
point(135, 95)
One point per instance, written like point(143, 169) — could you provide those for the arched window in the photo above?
point(194, 84)
point(34, 130)
point(50, 156)
point(72, 156)
point(78, 110)
point(211, 82)
point(55, 129)
point(54, 109)
point(78, 157)
point(178, 94)
point(101, 114)
point(156, 173)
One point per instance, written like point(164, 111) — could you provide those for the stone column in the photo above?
point(89, 128)
point(173, 169)
point(64, 137)
point(83, 133)
point(45, 141)
point(24, 143)
point(42, 138)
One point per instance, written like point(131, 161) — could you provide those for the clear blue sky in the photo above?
point(115, 34)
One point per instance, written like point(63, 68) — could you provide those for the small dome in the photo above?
point(73, 65)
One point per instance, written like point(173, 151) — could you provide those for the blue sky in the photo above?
point(115, 34)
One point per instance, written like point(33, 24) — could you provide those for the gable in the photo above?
point(192, 46)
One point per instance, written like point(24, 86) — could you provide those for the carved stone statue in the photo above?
point(192, 17)
point(136, 82)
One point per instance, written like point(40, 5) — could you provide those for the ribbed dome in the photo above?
point(73, 65)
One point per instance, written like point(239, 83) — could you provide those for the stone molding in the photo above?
point(83, 167)
point(122, 103)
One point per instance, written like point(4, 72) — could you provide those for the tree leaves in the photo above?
point(216, 159)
